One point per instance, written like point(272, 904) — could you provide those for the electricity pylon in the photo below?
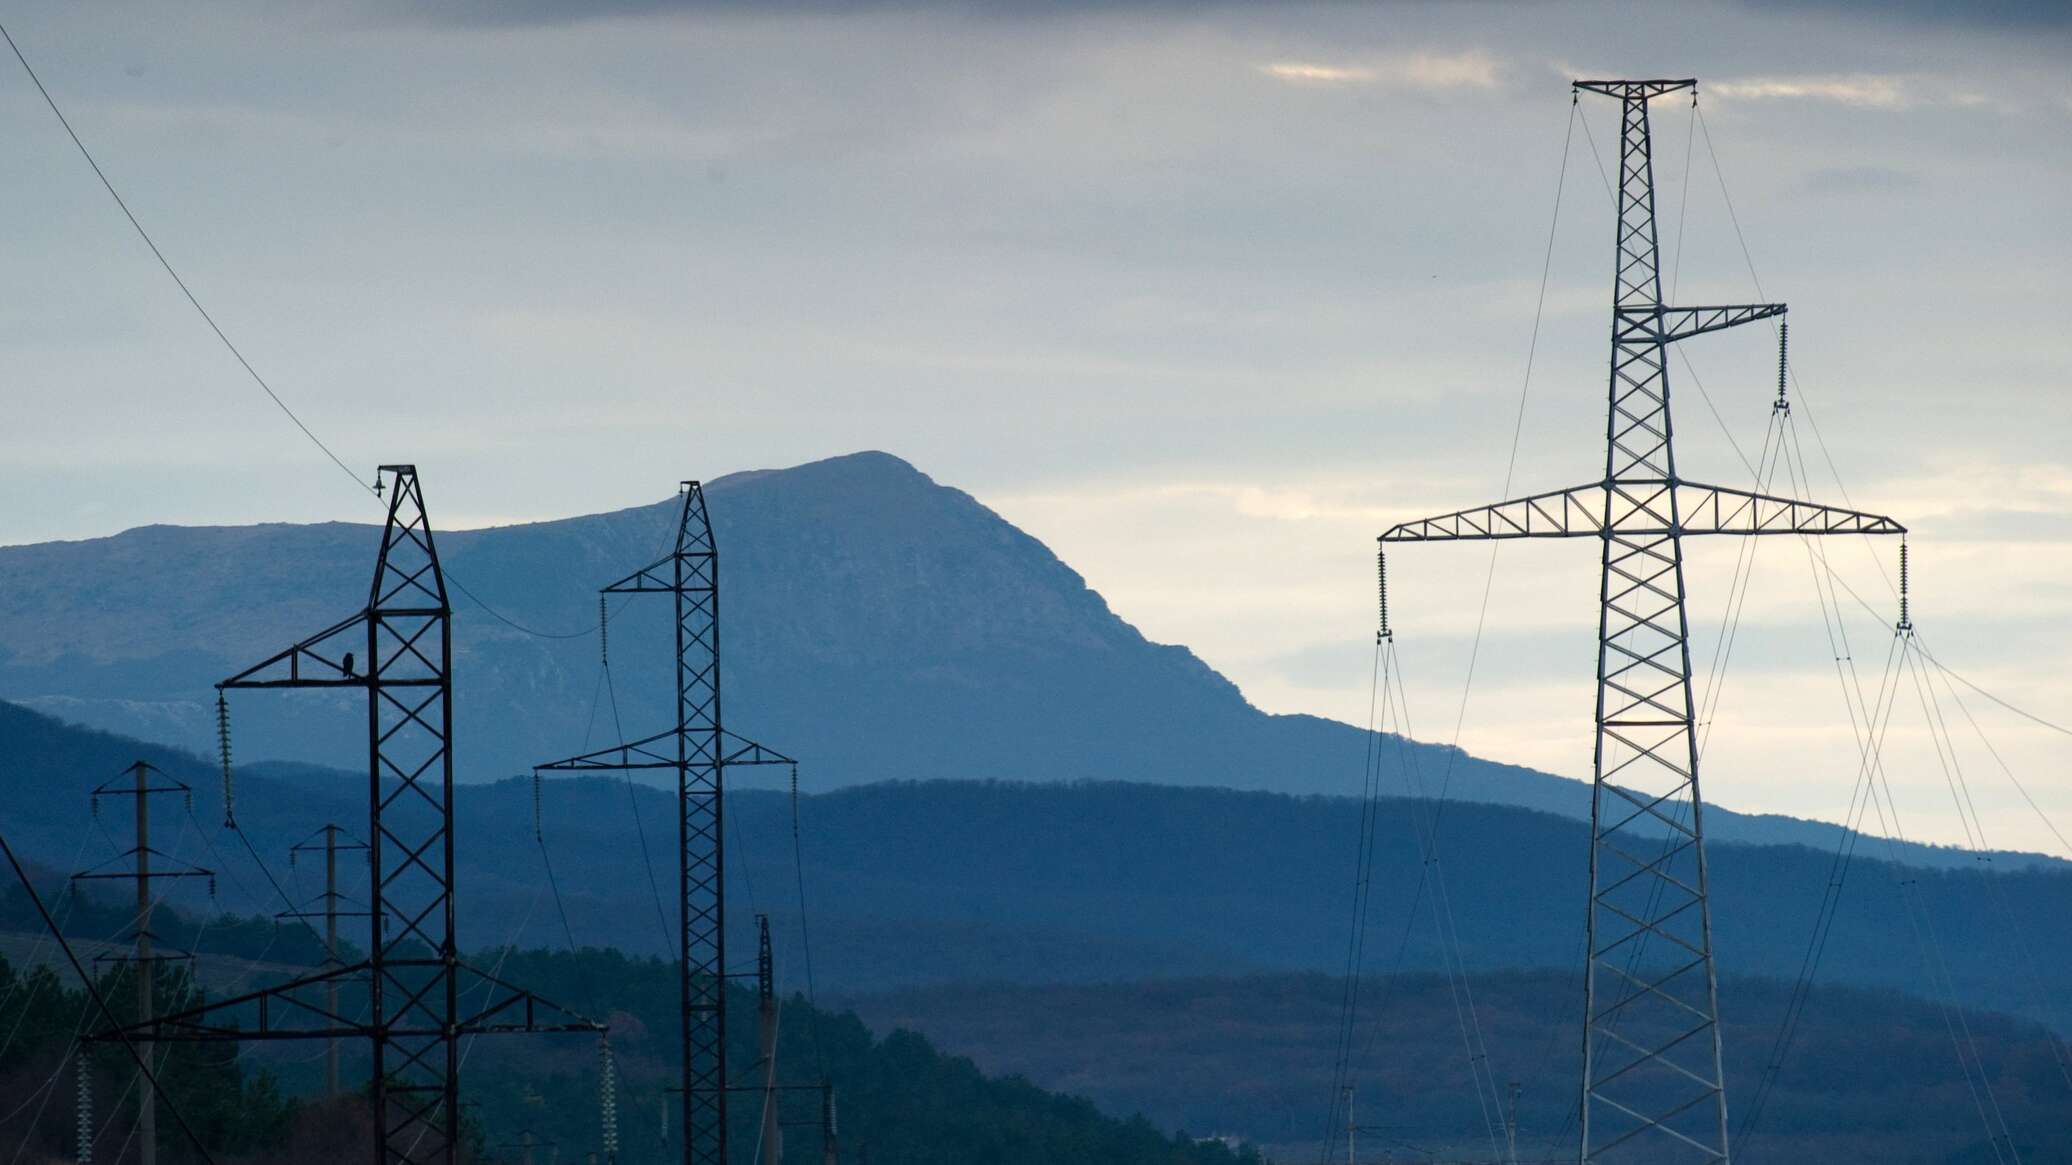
point(413, 978)
point(327, 909)
point(142, 781)
point(700, 751)
point(1652, 1088)
point(772, 1132)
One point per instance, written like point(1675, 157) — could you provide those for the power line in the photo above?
point(94, 991)
point(165, 263)
point(539, 834)
point(1827, 455)
point(224, 337)
point(798, 866)
point(1371, 766)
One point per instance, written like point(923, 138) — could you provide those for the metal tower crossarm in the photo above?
point(1670, 324)
point(700, 750)
point(1633, 506)
point(288, 1012)
point(1636, 90)
point(1652, 1088)
point(646, 753)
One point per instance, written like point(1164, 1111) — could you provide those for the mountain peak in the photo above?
point(885, 623)
point(864, 467)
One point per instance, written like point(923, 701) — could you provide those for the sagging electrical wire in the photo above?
point(100, 1001)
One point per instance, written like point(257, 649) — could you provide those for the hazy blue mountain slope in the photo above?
point(914, 883)
point(1871, 1079)
point(876, 624)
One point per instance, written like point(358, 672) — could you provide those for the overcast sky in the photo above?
point(1202, 295)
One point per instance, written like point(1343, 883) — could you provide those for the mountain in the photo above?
point(876, 624)
point(912, 883)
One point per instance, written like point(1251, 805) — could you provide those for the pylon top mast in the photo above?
point(1637, 90)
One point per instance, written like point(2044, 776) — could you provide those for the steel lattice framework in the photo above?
point(1652, 1088)
point(700, 750)
point(412, 981)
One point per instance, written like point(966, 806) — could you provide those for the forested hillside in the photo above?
point(917, 882)
point(900, 1102)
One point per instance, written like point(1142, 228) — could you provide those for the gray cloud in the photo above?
point(1101, 259)
point(1990, 14)
point(1997, 14)
point(535, 12)
point(1861, 180)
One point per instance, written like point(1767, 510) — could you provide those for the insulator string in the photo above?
point(223, 747)
point(1906, 622)
point(1783, 404)
point(86, 1110)
point(1381, 578)
point(608, 1097)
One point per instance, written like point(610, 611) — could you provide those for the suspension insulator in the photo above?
point(1381, 578)
point(86, 1111)
point(537, 834)
point(223, 747)
point(608, 1097)
point(604, 639)
point(1783, 405)
point(1906, 621)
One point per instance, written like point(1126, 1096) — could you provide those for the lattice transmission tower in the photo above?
point(1652, 1086)
point(699, 750)
point(419, 999)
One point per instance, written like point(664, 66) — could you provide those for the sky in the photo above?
point(1204, 296)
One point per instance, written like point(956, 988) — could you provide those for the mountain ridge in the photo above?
point(878, 624)
point(912, 883)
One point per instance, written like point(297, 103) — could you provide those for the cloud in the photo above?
point(1994, 14)
point(1862, 180)
point(1322, 74)
point(1470, 70)
point(1861, 90)
point(1879, 91)
point(1427, 72)
point(1987, 14)
point(558, 12)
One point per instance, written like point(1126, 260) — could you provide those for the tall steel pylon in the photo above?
point(398, 649)
point(700, 750)
point(1652, 1087)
